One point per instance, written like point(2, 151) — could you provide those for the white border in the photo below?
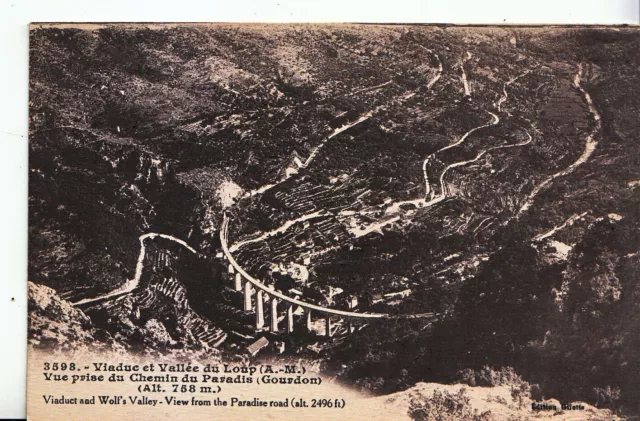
point(15, 16)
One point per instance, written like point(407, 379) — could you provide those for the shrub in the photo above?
point(467, 376)
point(536, 393)
point(489, 376)
point(444, 406)
point(607, 397)
point(520, 393)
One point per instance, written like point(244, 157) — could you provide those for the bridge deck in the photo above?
point(307, 306)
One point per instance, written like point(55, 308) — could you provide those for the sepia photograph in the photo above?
point(428, 222)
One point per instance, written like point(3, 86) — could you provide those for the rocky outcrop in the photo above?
point(120, 325)
point(54, 321)
point(433, 401)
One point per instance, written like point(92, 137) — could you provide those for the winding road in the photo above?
point(505, 96)
point(132, 284)
point(589, 147)
point(430, 199)
point(322, 143)
point(337, 131)
point(281, 229)
point(495, 120)
point(465, 82)
point(480, 155)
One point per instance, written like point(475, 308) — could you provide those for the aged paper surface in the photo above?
point(327, 222)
